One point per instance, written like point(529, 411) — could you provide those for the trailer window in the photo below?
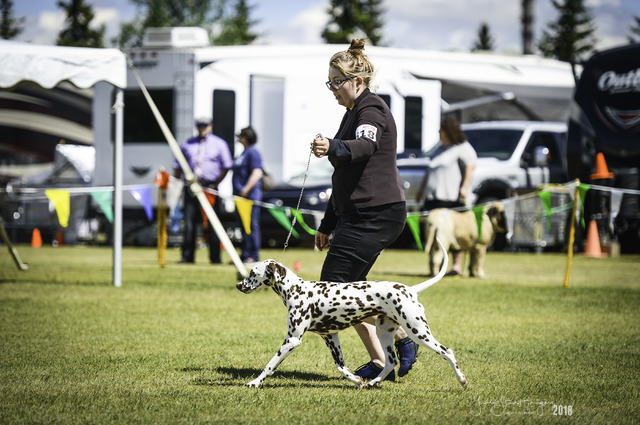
point(413, 123)
point(224, 116)
point(140, 126)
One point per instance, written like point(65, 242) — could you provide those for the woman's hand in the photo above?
point(322, 241)
point(320, 146)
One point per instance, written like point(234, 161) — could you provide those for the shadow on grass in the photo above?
point(238, 377)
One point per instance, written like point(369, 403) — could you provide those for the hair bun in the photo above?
point(357, 44)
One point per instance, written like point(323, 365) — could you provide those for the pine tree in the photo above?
point(78, 32)
point(572, 37)
point(484, 40)
point(634, 37)
point(236, 29)
point(10, 27)
point(354, 19)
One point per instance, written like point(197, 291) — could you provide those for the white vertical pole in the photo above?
point(117, 192)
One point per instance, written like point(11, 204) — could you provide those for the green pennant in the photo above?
point(281, 217)
point(104, 199)
point(304, 225)
point(478, 212)
point(545, 197)
point(413, 221)
point(582, 190)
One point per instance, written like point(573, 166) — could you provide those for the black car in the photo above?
point(316, 194)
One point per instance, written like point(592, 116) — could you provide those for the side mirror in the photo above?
point(541, 156)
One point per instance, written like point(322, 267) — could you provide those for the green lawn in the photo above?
point(177, 345)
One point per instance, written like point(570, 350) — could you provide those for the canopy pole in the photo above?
point(117, 192)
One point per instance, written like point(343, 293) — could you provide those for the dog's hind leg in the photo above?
point(287, 347)
point(333, 343)
point(421, 334)
point(385, 329)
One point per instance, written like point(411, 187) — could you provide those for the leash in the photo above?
point(304, 181)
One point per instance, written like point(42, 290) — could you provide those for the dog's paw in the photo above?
point(464, 382)
point(256, 383)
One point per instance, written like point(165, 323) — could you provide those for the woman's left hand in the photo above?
point(320, 146)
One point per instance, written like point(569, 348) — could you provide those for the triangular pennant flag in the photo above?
point(282, 218)
point(413, 221)
point(143, 195)
point(582, 190)
point(62, 203)
point(545, 197)
point(304, 225)
point(104, 199)
point(244, 207)
point(478, 212)
point(174, 193)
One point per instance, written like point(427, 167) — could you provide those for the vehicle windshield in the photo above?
point(494, 143)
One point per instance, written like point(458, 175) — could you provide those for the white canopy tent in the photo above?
point(47, 66)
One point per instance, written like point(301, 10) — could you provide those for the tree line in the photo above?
point(571, 37)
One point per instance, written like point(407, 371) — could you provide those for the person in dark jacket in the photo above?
point(247, 175)
point(367, 210)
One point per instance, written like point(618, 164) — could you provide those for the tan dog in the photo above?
point(459, 231)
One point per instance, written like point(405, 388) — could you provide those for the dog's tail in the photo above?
point(427, 283)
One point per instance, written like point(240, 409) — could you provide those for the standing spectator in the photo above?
point(247, 183)
point(448, 176)
point(210, 159)
point(367, 211)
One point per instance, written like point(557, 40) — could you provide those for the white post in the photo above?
point(117, 190)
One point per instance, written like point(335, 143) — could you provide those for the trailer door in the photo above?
point(267, 118)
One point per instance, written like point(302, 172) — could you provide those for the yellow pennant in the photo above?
point(244, 207)
point(62, 203)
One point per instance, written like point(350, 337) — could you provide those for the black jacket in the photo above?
point(365, 171)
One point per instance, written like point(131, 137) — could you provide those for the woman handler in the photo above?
point(367, 210)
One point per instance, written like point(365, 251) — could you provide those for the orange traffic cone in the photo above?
point(36, 238)
point(602, 171)
point(593, 248)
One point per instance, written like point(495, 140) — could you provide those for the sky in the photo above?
point(415, 24)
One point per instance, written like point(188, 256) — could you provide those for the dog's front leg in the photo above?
point(287, 347)
point(333, 343)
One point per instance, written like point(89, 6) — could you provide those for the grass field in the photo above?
point(177, 345)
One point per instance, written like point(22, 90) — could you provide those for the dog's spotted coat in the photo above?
point(327, 307)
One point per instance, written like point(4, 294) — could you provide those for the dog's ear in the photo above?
point(275, 270)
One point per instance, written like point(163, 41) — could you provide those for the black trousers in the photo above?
point(192, 219)
point(358, 240)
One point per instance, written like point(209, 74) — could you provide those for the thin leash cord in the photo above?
point(304, 181)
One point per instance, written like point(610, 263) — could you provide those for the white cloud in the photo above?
point(51, 21)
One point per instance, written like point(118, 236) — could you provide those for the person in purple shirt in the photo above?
point(210, 159)
point(247, 183)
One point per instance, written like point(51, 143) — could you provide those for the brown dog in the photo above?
point(459, 231)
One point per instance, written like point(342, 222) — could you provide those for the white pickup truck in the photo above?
point(513, 157)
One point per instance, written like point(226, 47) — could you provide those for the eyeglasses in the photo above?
point(335, 85)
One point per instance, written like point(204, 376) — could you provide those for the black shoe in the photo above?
point(407, 352)
point(183, 261)
point(371, 370)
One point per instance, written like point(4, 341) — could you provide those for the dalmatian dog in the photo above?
point(328, 307)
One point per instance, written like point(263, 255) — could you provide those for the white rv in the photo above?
point(280, 91)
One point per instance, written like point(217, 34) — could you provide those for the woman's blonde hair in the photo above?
point(353, 62)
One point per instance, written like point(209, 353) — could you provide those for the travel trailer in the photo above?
point(280, 91)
